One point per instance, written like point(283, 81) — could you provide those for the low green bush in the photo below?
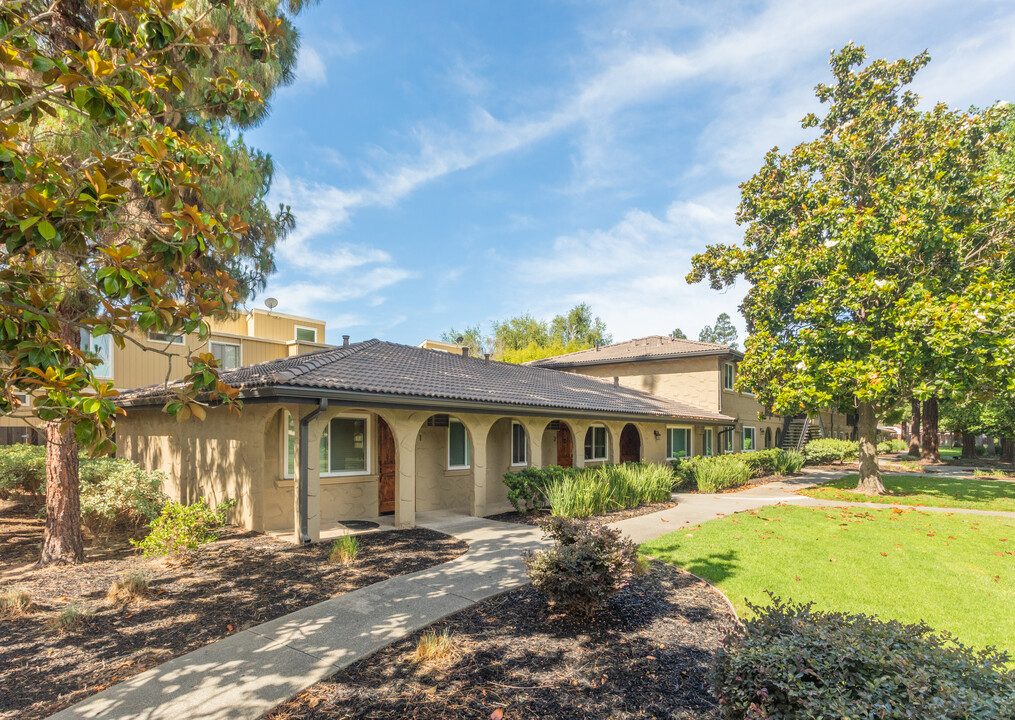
point(763, 461)
point(22, 470)
point(587, 564)
point(122, 497)
point(788, 462)
point(722, 472)
point(527, 487)
point(179, 527)
point(825, 451)
point(892, 446)
point(573, 492)
point(791, 661)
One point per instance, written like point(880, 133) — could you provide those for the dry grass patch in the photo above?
point(130, 587)
point(344, 551)
point(70, 618)
point(437, 647)
point(14, 603)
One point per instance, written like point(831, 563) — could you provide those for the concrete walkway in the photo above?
point(247, 674)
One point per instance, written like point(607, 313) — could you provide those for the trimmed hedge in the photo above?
point(826, 451)
point(892, 446)
point(791, 661)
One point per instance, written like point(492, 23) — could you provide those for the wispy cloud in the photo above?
point(310, 68)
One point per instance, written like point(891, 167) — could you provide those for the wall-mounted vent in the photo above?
point(438, 421)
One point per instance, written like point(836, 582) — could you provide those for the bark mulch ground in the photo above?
point(646, 656)
point(242, 580)
point(534, 516)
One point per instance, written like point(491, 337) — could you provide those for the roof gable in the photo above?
point(653, 347)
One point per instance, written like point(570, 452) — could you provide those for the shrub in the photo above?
point(722, 472)
point(70, 618)
point(575, 495)
point(683, 473)
point(586, 565)
point(793, 662)
point(15, 602)
point(344, 550)
point(892, 446)
point(763, 460)
point(788, 462)
point(436, 647)
point(123, 497)
point(183, 527)
point(826, 451)
point(130, 587)
point(22, 470)
point(527, 487)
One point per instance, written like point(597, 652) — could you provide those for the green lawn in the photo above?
point(955, 572)
point(933, 491)
point(950, 452)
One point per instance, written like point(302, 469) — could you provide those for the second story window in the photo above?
point(228, 354)
point(101, 347)
point(729, 376)
point(165, 338)
point(306, 334)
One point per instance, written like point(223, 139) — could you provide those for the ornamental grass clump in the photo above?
point(344, 550)
point(587, 564)
point(791, 661)
point(15, 602)
point(722, 472)
point(788, 462)
point(70, 618)
point(126, 589)
point(437, 647)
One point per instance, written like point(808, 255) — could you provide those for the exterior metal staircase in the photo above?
point(797, 432)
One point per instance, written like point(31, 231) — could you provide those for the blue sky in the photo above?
point(455, 163)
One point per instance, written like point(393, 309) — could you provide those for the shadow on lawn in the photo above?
point(714, 567)
point(943, 488)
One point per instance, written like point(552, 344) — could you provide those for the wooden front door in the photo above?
point(386, 468)
point(565, 446)
point(630, 445)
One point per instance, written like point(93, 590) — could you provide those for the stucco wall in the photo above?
point(438, 488)
point(692, 380)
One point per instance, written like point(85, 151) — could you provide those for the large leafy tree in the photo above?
point(879, 253)
point(118, 215)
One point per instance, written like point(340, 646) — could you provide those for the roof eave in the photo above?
point(546, 365)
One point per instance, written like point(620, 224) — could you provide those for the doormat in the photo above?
point(358, 524)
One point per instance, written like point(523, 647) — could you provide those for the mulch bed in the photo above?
point(533, 517)
point(646, 656)
point(242, 580)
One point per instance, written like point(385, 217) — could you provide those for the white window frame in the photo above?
point(296, 332)
point(468, 451)
point(606, 443)
point(239, 354)
point(710, 445)
point(690, 441)
point(731, 441)
point(525, 445)
point(165, 339)
point(107, 340)
point(729, 373)
point(325, 442)
point(754, 438)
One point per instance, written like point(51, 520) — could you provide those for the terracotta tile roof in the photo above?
point(391, 370)
point(653, 347)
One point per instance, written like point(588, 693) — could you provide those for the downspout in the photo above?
point(304, 453)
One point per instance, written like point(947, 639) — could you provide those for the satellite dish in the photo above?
point(271, 303)
point(459, 340)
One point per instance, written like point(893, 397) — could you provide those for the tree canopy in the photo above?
point(879, 254)
point(723, 332)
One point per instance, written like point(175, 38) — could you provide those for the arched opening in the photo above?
point(768, 438)
point(630, 444)
point(558, 444)
point(778, 437)
point(444, 473)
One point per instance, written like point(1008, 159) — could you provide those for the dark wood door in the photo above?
point(386, 465)
point(630, 445)
point(565, 446)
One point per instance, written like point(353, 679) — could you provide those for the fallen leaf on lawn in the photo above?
point(497, 714)
point(832, 560)
point(997, 578)
point(884, 554)
point(798, 579)
point(1004, 539)
point(690, 534)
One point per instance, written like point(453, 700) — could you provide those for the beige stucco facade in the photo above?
point(243, 457)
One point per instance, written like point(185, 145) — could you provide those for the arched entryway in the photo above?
point(386, 468)
point(630, 444)
point(768, 438)
point(558, 444)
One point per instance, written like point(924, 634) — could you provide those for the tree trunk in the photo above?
point(870, 475)
point(931, 449)
point(914, 435)
point(1008, 450)
point(968, 446)
point(62, 542)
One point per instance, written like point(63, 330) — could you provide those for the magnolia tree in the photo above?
point(114, 116)
point(878, 253)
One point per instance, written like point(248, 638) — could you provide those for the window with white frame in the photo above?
point(100, 346)
point(458, 446)
point(519, 445)
point(165, 338)
point(595, 443)
point(750, 439)
point(729, 376)
point(706, 441)
point(678, 443)
point(729, 441)
point(344, 448)
point(306, 334)
point(228, 354)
